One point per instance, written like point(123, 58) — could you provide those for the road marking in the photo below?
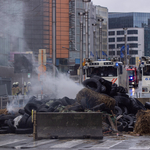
point(34, 144)
point(68, 144)
point(140, 147)
point(107, 144)
point(2, 143)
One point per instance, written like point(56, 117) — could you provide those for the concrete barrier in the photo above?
point(67, 125)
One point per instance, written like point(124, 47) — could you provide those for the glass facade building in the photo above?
point(133, 20)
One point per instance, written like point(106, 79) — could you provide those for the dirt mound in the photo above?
point(93, 98)
point(142, 125)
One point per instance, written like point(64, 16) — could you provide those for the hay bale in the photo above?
point(142, 125)
point(3, 111)
point(94, 98)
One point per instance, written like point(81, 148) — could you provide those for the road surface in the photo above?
point(124, 142)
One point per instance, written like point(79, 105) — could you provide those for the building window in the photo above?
point(111, 39)
point(133, 45)
point(120, 45)
point(118, 53)
point(132, 38)
point(132, 32)
point(120, 39)
point(111, 52)
point(111, 46)
point(133, 52)
point(111, 33)
point(120, 32)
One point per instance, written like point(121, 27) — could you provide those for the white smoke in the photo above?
point(60, 86)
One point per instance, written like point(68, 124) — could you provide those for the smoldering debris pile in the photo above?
point(89, 99)
point(98, 95)
point(142, 125)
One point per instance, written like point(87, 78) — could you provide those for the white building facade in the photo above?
point(134, 40)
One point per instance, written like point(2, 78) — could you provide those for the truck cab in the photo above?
point(145, 66)
point(133, 76)
point(112, 71)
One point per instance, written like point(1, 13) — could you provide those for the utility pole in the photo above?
point(81, 46)
point(86, 27)
point(100, 37)
point(125, 38)
point(94, 37)
point(54, 36)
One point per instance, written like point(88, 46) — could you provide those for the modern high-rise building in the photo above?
point(134, 22)
point(135, 44)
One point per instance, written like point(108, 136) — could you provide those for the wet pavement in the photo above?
point(123, 142)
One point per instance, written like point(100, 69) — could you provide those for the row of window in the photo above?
point(122, 32)
point(121, 39)
point(131, 45)
point(131, 52)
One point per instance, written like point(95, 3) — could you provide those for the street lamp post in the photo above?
point(86, 27)
point(54, 36)
point(125, 38)
point(100, 37)
point(94, 37)
point(81, 46)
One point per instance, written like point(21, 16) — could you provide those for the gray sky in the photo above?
point(124, 5)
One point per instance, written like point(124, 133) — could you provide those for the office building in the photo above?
point(134, 22)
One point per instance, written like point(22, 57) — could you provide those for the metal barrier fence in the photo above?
point(16, 101)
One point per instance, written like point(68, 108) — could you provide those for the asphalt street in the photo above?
point(113, 142)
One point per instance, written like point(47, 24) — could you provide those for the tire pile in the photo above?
point(21, 122)
point(98, 95)
point(125, 108)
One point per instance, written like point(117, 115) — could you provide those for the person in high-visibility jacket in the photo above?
point(18, 91)
point(25, 90)
point(14, 89)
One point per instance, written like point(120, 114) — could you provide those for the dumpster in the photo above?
point(67, 125)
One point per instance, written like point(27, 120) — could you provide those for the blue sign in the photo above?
point(147, 79)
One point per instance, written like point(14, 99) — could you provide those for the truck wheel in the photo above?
point(24, 131)
point(23, 121)
point(29, 122)
point(128, 119)
point(118, 110)
point(125, 126)
point(92, 84)
point(124, 110)
point(29, 107)
point(120, 126)
point(121, 100)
